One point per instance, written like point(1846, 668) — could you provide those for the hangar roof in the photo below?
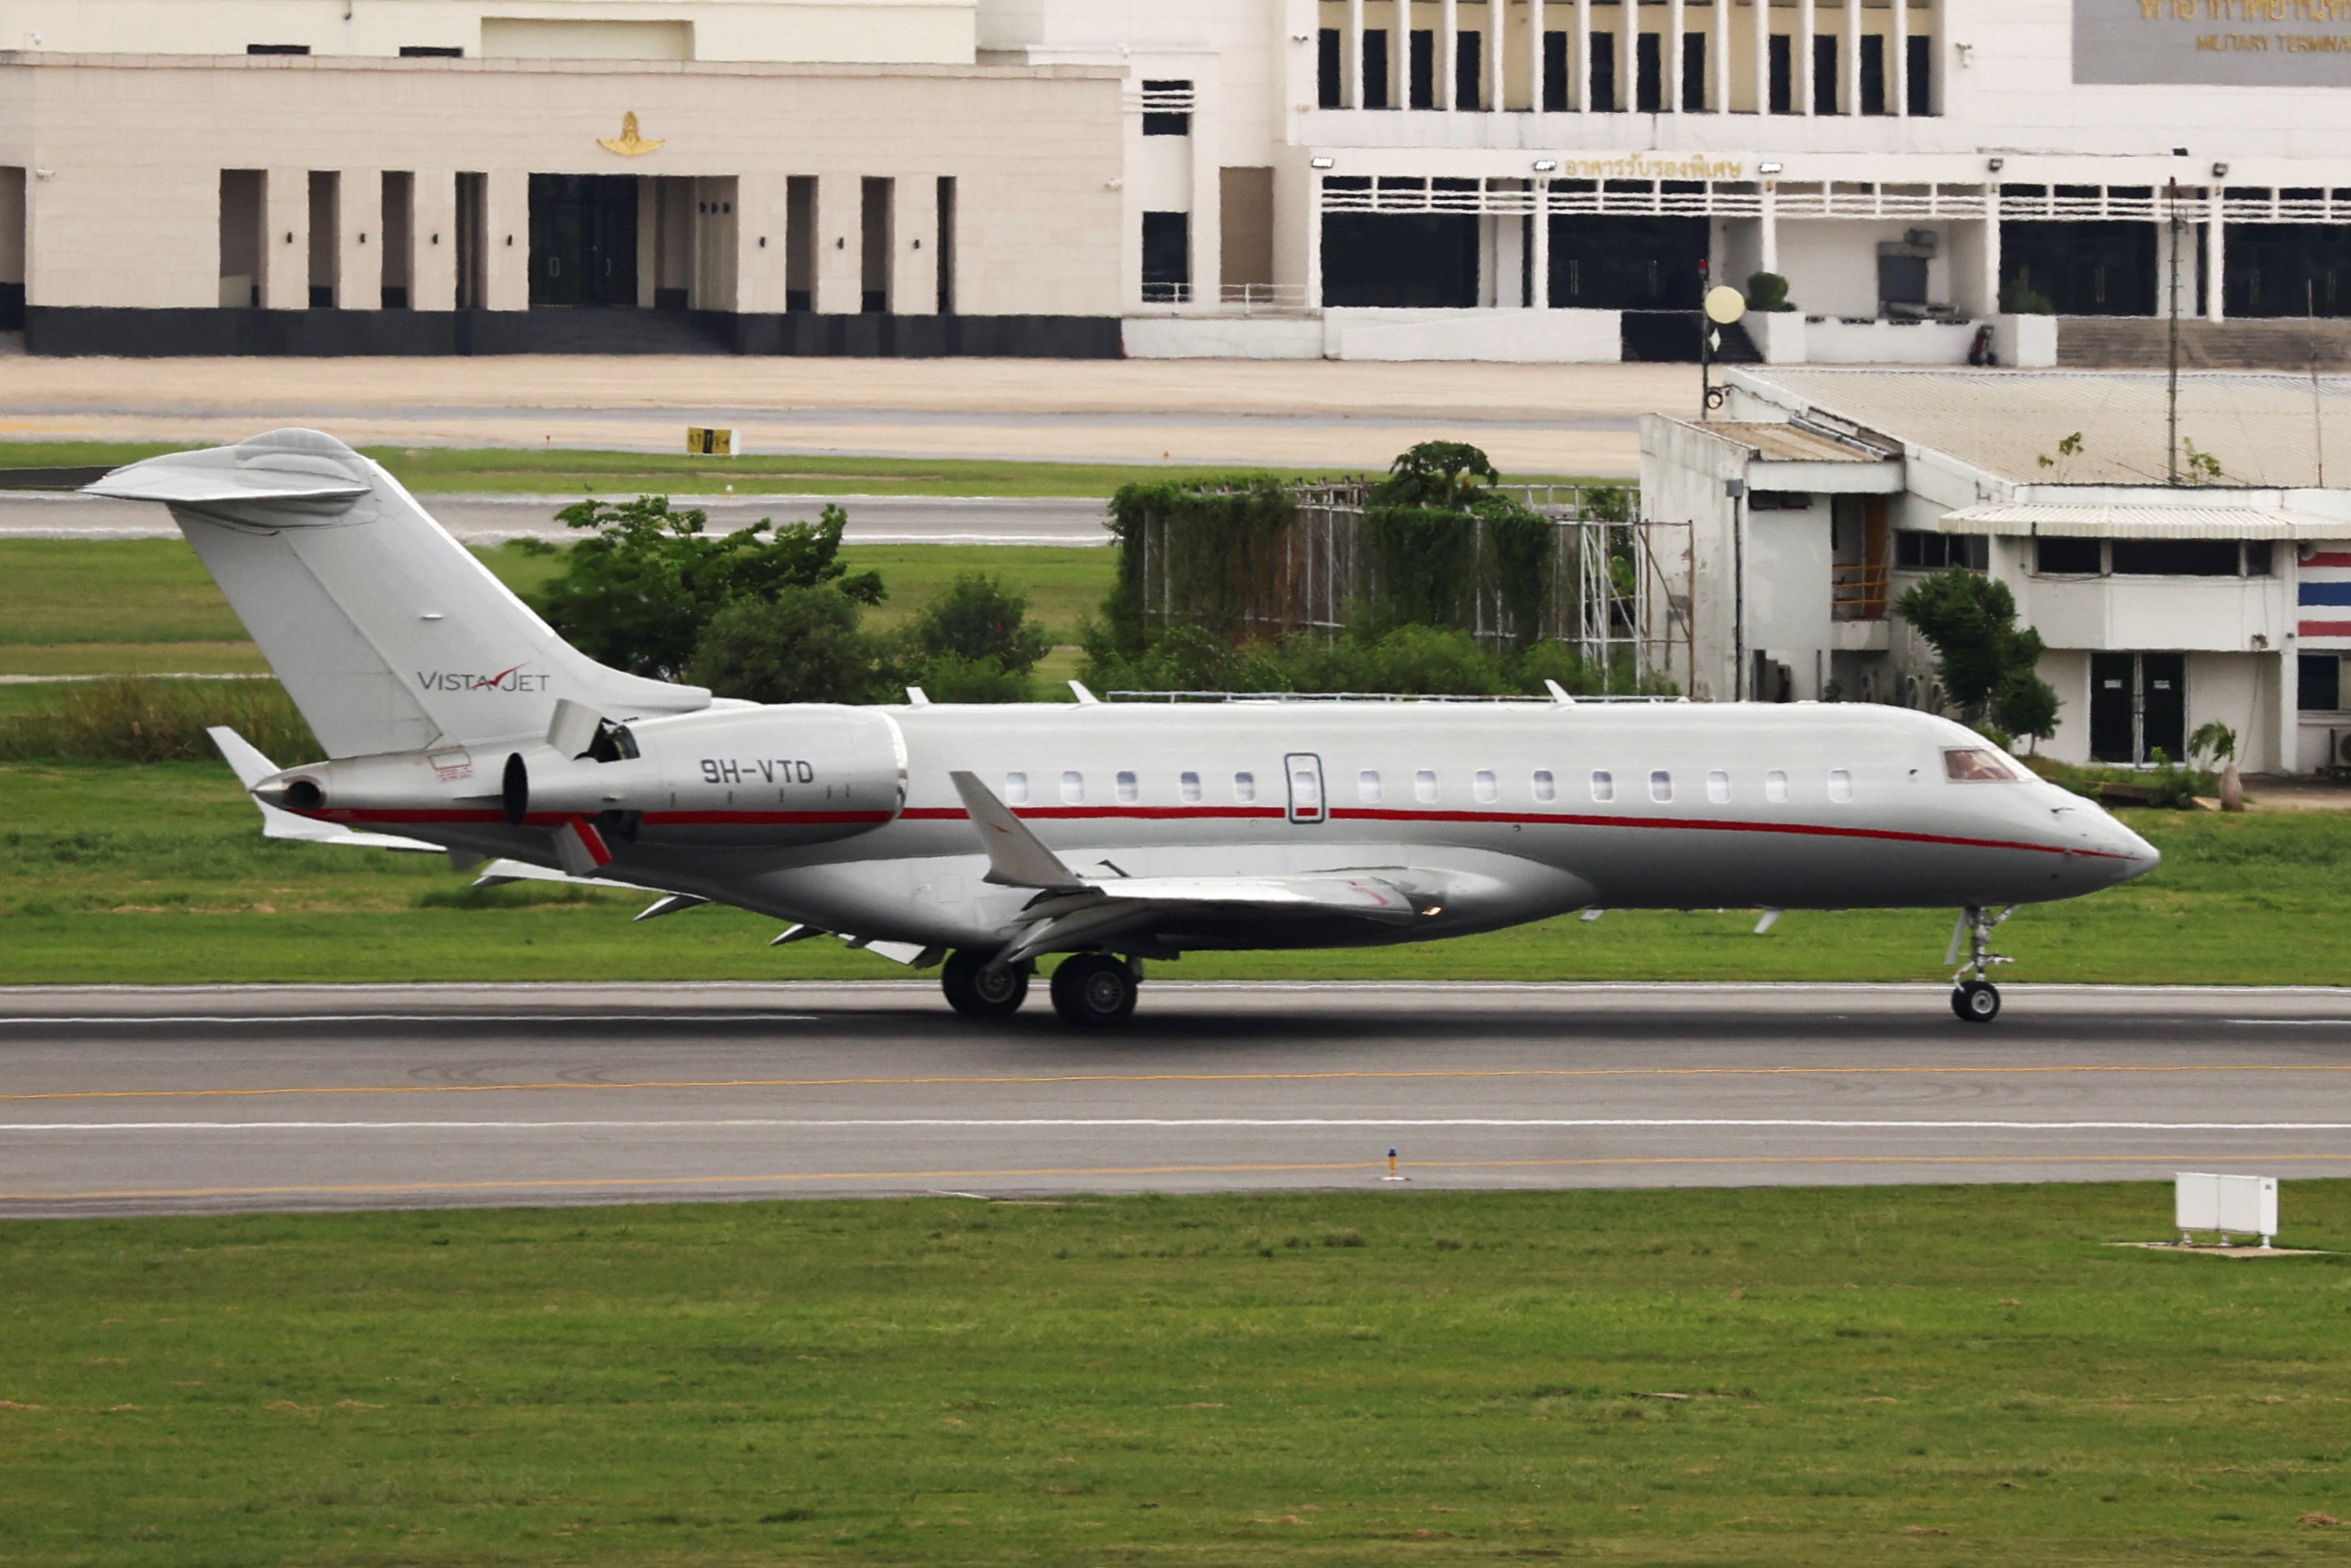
point(2265, 429)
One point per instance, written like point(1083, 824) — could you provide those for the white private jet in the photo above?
point(454, 718)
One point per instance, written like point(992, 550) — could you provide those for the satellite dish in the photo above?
point(1724, 304)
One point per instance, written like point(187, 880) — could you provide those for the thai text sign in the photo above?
point(2220, 43)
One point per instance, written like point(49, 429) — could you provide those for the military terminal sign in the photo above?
point(2221, 43)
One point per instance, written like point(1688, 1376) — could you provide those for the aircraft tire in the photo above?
point(1093, 990)
point(1976, 1001)
point(976, 991)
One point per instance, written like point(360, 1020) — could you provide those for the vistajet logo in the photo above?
point(513, 680)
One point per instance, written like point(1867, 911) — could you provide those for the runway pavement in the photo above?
point(492, 519)
point(164, 1100)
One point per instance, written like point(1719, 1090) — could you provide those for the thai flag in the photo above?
point(2326, 594)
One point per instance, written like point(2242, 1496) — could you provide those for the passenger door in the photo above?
point(1305, 773)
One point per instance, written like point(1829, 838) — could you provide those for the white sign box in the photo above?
point(2245, 1205)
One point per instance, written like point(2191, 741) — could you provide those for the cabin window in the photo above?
point(1016, 789)
point(1718, 787)
point(1423, 787)
point(1188, 785)
point(1971, 764)
point(1775, 787)
point(1244, 787)
point(1367, 786)
point(1661, 786)
point(1544, 788)
point(1840, 785)
point(1603, 785)
point(1073, 788)
point(1127, 792)
point(1482, 784)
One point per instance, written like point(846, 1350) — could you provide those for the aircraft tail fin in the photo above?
point(387, 633)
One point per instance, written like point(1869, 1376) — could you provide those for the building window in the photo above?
point(1693, 73)
point(1377, 72)
point(1544, 788)
point(277, 48)
point(1661, 786)
point(1603, 72)
point(1824, 74)
point(1073, 788)
point(1554, 97)
point(1718, 787)
point(1468, 68)
point(1873, 75)
point(1423, 787)
point(1166, 259)
point(2321, 690)
point(1783, 74)
point(1187, 786)
point(1915, 550)
point(1330, 71)
point(1367, 787)
point(1421, 75)
point(1919, 61)
point(1603, 785)
point(1245, 788)
point(1481, 784)
point(1128, 791)
point(1775, 787)
point(431, 52)
point(2176, 558)
point(1016, 789)
point(1648, 74)
point(1840, 785)
point(2068, 558)
point(1161, 115)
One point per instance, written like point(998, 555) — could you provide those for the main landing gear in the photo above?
point(1974, 998)
point(1093, 990)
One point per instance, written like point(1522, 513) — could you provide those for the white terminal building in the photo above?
point(1509, 179)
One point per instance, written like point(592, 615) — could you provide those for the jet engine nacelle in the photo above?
point(795, 774)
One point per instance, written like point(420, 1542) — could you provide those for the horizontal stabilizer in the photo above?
point(182, 483)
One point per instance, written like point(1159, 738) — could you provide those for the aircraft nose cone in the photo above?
point(2131, 855)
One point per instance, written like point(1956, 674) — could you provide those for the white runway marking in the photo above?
point(1531, 1123)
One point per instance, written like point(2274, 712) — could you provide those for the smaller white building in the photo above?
point(2175, 579)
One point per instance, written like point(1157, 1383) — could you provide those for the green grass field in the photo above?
point(160, 873)
point(565, 471)
point(1762, 1377)
point(146, 606)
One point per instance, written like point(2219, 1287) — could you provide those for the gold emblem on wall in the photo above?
point(629, 144)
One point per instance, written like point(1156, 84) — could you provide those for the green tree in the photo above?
point(1438, 474)
point(973, 643)
point(1987, 664)
point(802, 645)
point(639, 591)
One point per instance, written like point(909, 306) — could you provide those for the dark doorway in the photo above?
point(1166, 259)
point(1627, 264)
point(1377, 74)
point(1468, 70)
point(1554, 94)
point(1919, 62)
point(583, 240)
point(1873, 74)
point(1421, 81)
point(1693, 73)
point(1648, 74)
point(1418, 259)
point(2286, 269)
point(2139, 707)
point(1825, 75)
point(2085, 267)
point(1783, 74)
point(1604, 73)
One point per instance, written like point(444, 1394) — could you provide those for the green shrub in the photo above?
point(1767, 291)
point(148, 718)
point(801, 646)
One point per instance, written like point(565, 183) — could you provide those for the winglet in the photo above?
point(1016, 857)
point(1558, 693)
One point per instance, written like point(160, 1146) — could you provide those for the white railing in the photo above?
point(2240, 205)
point(1672, 198)
point(1168, 294)
point(1271, 298)
point(1163, 100)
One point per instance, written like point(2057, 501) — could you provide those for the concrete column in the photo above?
point(914, 240)
point(1207, 195)
point(1448, 46)
point(358, 269)
point(1721, 61)
point(1801, 78)
point(286, 240)
point(1762, 57)
point(506, 234)
point(1498, 56)
point(1540, 293)
point(761, 225)
point(1313, 278)
point(1900, 63)
point(1400, 57)
point(1992, 244)
point(2216, 256)
point(1677, 17)
point(1849, 61)
point(840, 285)
point(1580, 64)
point(1767, 241)
point(433, 280)
point(1351, 56)
point(1510, 261)
point(1534, 56)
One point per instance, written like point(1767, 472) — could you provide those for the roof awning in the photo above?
point(2104, 520)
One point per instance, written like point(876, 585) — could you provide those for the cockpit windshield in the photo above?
point(1979, 764)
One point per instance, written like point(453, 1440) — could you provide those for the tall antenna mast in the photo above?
point(2171, 391)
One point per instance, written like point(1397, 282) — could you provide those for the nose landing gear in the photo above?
point(1975, 999)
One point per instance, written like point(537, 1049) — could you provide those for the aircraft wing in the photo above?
point(1072, 908)
point(251, 767)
